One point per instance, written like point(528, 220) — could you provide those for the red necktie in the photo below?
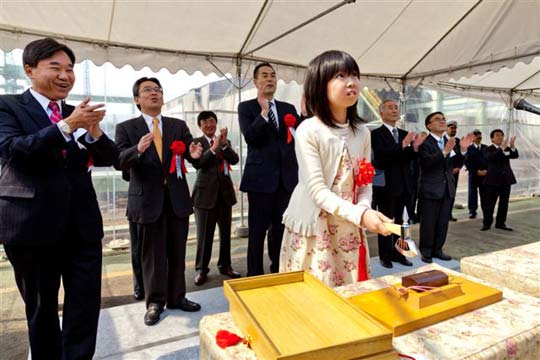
point(221, 160)
point(56, 115)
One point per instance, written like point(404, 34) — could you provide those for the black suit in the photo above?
point(159, 202)
point(213, 197)
point(436, 191)
point(270, 175)
point(392, 197)
point(498, 180)
point(474, 161)
point(51, 226)
point(457, 162)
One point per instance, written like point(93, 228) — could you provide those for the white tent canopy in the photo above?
point(400, 41)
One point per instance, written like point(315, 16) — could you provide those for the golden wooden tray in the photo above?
point(405, 313)
point(295, 316)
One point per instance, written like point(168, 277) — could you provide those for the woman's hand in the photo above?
point(373, 221)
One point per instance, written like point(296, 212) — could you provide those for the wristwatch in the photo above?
point(64, 126)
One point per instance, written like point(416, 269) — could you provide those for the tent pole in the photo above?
point(510, 114)
point(403, 103)
point(241, 229)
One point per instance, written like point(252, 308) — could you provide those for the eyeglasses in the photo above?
point(149, 89)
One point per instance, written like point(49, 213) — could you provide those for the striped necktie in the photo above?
point(56, 115)
point(272, 116)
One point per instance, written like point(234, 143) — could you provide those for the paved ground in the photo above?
point(464, 239)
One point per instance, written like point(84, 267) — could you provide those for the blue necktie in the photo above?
point(395, 134)
point(272, 116)
point(441, 143)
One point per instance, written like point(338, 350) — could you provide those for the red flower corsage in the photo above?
point(178, 149)
point(290, 122)
point(365, 174)
point(225, 339)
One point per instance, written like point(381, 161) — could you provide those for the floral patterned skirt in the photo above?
point(331, 253)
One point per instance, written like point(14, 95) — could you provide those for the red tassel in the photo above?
point(224, 339)
point(289, 135)
point(362, 268)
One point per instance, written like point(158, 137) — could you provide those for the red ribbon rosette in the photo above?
point(178, 149)
point(224, 339)
point(364, 177)
point(366, 172)
point(290, 122)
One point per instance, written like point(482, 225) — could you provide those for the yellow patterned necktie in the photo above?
point(158, 140)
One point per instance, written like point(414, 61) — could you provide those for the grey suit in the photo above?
point(213, 197)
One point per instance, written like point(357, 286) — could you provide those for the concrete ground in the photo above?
point(464, 239)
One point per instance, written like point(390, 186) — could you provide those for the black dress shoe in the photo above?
point(152, 314)
point(484, 228)
point(403, 261)
point(200, 278)
point(185, 305)
point(472, 216)
point(138, 295)
point(453, 219)
point(228, 271)
point(427, 259)
point(504, 227)
point(443, 256)
point(387, 264)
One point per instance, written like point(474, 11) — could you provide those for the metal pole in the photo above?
point(241, 229)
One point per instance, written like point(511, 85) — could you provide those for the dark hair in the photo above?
point(138, 83)
point(428, 118)
point(319, 72)
point(41, 49)
point(205, 115)
point(493, 132)
point(260, 65)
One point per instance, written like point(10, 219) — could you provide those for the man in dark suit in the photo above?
point(153, 148)
point(50, 223)
point(457, 161)
point(393, 151)
point(499, 178)
point(437, 188)
point(271, 171)
point(213, 197)
point(477, 167)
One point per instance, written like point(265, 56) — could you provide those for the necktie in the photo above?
point(224, 166)
point(441, 143)
point(56, 116)
point(158, 140)
point(395, 134)
point(272, 116)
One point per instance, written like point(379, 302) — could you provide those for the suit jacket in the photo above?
point(474, 159)
point(45, 186)
point(148, 176)
point(435, 171)
point(210, 179)
point(269, 158)
point(393, 159)
point(499, 171)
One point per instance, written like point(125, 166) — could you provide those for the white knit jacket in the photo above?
point(318, 151)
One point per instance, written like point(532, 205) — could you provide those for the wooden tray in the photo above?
point(295, 316)
point(403, 314)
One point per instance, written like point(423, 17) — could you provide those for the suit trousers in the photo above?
point(434, 224)
point(456, 178)
point(164, 257)
point(392, 206)
point(265, 214)
point(475, 187)
point(38, 271)
point(206, 220)
point(502, 192)
point(136, 257)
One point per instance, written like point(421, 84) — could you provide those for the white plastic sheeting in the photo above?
point(395, 41)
